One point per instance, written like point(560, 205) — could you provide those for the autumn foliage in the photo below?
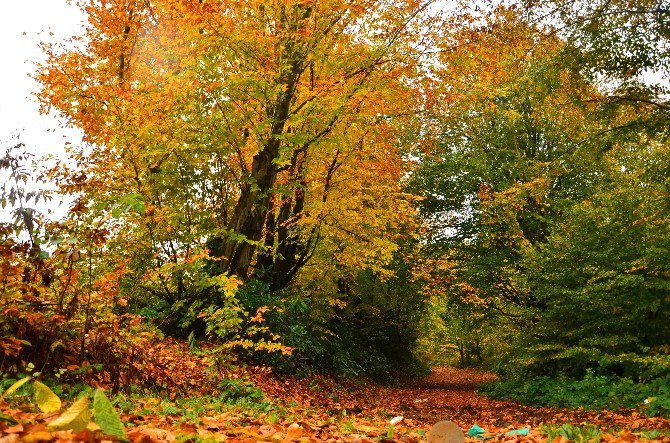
point(362, 188)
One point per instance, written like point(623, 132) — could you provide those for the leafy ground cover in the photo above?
point(253, 404)
point(595, 392)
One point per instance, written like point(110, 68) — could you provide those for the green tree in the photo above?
point(603, 276)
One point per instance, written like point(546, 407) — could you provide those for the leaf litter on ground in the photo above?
point(323, 409)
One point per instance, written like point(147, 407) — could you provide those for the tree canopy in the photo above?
point(353, 187)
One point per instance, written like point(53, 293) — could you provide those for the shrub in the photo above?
point(340, 334)
point(596, 392)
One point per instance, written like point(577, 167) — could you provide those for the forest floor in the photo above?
point(318, 409)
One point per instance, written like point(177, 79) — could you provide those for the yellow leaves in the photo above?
point(198, 100)
point(337, 303)
point(259, 316)
point(75, 418)
point(13, 388)
point(37, 436)
point(45, 399)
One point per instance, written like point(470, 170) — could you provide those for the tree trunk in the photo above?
point(253, 206)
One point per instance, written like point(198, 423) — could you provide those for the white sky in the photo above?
point(23, 25)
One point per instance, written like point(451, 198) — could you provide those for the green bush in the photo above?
point(596, 392)
point(363, 338)
point(577, 434)
point(234, 390)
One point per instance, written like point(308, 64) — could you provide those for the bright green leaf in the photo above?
point(106, 417)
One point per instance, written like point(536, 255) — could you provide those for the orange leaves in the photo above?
point(183, 99)
point(293, 433)
point(147, 434)
point(316, 416)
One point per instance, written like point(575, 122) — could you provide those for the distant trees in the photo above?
point(545, 198)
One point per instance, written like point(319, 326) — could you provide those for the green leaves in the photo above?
point(127, 203)
point(106, 417)
point(13, 388)
point(75, 418)
point(78, 415)
point(45, 399)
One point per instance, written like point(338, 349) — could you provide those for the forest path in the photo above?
point(448, 393)
point(451, 394)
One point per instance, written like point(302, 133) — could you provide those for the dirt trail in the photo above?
point(320, 409)
point(446, 394)
point(450, 394)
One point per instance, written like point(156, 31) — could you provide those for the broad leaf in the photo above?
point(46, 400)
point(75, 418)
point(13, 388)
point(106, 417)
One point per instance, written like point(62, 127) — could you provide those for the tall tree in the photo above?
point(620, 44)
point(540, 180)
point(514, 152)
point(267, 128)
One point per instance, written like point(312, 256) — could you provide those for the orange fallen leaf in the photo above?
point(267, 430)
point(367, 429)
point(294, 432)
point(38, 436)
point(14, 429)
point(153, 435)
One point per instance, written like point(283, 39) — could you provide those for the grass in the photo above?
point(591, 433)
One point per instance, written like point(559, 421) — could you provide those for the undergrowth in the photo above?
point(577, 434)
point(241, 397)
point(593, 392)
point(591, 433)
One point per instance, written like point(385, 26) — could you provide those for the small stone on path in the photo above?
point(445, 432)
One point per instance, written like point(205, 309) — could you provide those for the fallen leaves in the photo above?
point(45, 399)
point(340, 411)
point(14, 429)
point(294, 432)
point(148, 434)
point(38, 436)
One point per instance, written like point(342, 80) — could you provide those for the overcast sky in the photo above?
point(23, 25)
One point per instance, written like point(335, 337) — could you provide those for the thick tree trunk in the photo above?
point(250, 212)
point(253, 206)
